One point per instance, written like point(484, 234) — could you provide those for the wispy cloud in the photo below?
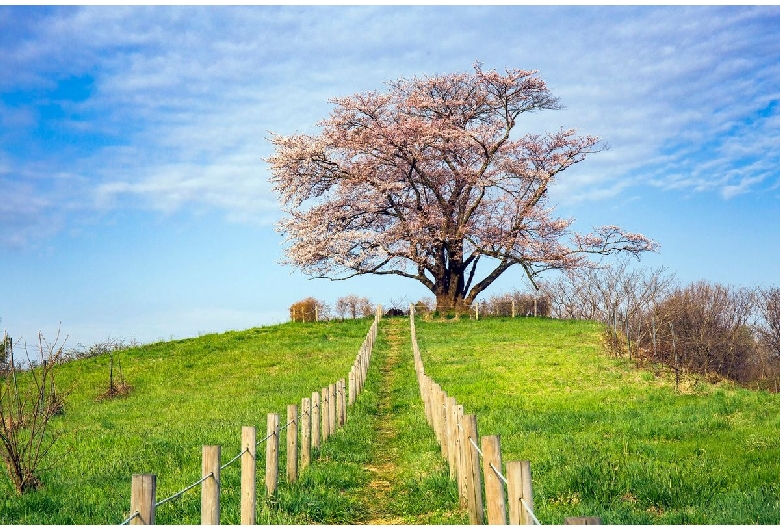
point(182, 98)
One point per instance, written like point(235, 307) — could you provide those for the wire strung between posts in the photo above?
point(275, 433)
point(182, 492)
point(133, 516)
point(239, 455)
point(266, 438)
point(506, 483)
point(499, 475)
point(476, 446)
point(530, 512)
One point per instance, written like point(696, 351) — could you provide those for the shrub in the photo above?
point(704, 328)
point(354, 306)
point(516, 303)
point(29, 399)
point(309, 310)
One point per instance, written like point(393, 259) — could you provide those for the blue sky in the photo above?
point(134, 200)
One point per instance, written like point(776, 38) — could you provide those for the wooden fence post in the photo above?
point(474, 474)
point(324, 414)
point(143, 496)
point(292, 443)
point(463, 446)
point(528, 493)
point(315, 420)
point(305, 433)
point(341, 410)
point(272, 454)
point(332, 408)
point(494, 488)
point(452, 436)
point(425, 391)
point(352, 386)
point(248, 475)
point(441, 418)
point(444, 425)
point(209, 490)
point(519, 489)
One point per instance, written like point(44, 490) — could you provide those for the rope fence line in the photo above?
point(257, 444)
point(239, 455)
point(132, 516)
point(477, 470)
point(182, 492)
point(530, 512)
point(320, 416)
point(498, 473)
point(474, 444)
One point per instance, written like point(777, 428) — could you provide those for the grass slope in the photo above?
point(606, 439)
point(186, 394)
point(603, 438)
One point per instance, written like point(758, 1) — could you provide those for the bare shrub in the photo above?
point(617, 295)
point(768, 331)
point(768, 305)
point(116, 388)
point(705, 328)
point(354, 306)
point(516, 303)
point(29, 399)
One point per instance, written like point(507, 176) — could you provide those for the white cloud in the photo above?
point(184, 97)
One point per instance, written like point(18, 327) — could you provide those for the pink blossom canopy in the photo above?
point(425, 180)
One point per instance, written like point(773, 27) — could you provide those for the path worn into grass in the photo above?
point(384, 467)
point(409, 480)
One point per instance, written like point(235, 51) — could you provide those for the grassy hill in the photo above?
point(607, 439)
point(603, 437)
point(186, 394)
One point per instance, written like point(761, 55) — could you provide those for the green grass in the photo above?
point(607, 439)
point(186, 394)
point(604, 438)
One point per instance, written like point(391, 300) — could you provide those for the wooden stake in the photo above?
point(143, 493)
point(474, 475)
point(305, 433)
point(292, 443)
point(248, 475)
point(315, 419)
point(272, 454)
point(494, 488)
point(209, 490)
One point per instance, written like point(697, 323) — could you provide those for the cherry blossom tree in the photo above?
point(427, 181)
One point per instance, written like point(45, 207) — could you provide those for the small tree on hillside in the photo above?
point(29, 399)
point(769, 311)
point(430, 181)
point(309, 310)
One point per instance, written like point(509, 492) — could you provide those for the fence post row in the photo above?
point(320, 416)
point(457, 435)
